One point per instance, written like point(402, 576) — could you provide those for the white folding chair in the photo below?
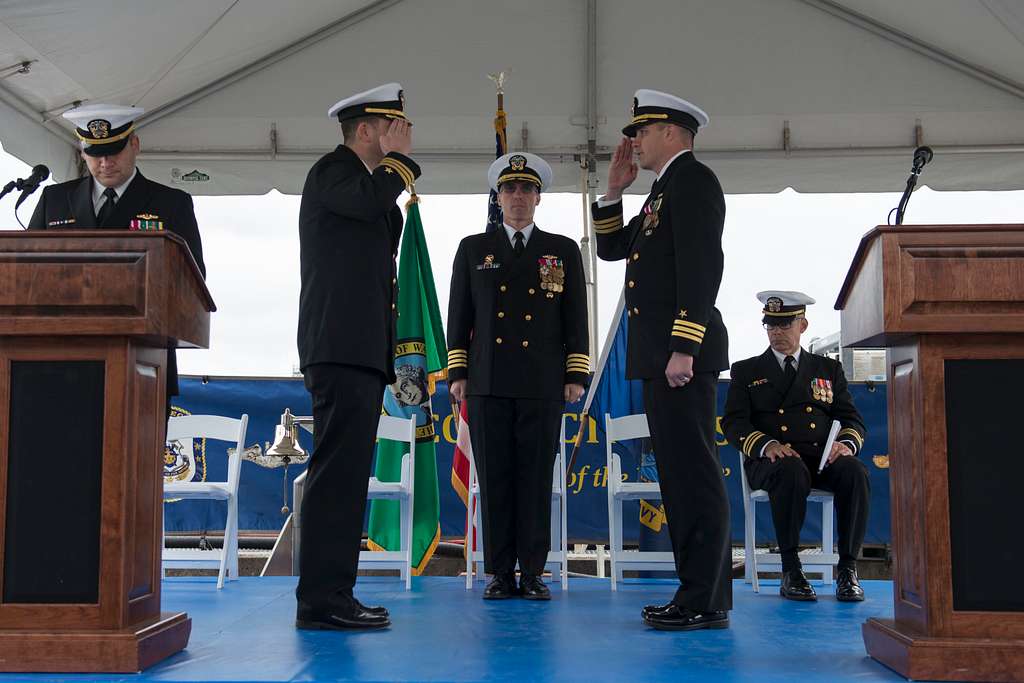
point(558, 557)
point(818, 560)
point(624, 429)
point(388, 429)
point(183, 430)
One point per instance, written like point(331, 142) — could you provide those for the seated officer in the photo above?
point(778, 413)
point(518, 350)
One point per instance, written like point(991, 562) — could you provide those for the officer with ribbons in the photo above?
point(518, 351)
point(778, 413)
point(115, 195)
point(677, 343)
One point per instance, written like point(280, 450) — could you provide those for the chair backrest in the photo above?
point(216, 427)
point(626, 427)
point(397, 429)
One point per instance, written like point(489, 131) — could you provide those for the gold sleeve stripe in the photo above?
point(751, 441)
point(681, 328)
point(853, 433)
point(456, 366)
point(407, 177)
point(609, 221)
point(601, 230)
point(685, 335)
point(582, 356)
point(577, 365)
point(691, 325)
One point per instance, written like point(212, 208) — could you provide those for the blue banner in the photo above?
point(260, 489)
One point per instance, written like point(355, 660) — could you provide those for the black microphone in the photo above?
point(39, 174)
point(922, 155)
point(30, 184)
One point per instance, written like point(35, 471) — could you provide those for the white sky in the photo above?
point(782, 241)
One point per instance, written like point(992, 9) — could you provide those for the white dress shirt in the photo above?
point(511, 232)
point(97, 192)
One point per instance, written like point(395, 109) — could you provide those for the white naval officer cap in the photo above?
point(386, 101)
point(103, 129)
point(519, 166)
point(781, 304)
point(654, 106)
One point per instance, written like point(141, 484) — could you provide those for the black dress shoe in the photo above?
point(501, 587)
point(795, 586)
point(342, 612)
point(676, 618)
point(532, 588)
point(848, 586)
point(382, 611)
point(655, 609)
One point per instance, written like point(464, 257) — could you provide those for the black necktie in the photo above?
point(107, 210)
point(790, 371)
point(518, 247)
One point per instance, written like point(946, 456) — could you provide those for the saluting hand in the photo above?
point(397, 138)
point(621, 171)
point(573, 392)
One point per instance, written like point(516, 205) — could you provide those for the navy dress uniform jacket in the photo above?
point(349, 228)
point(69, 206)
point(674, 268)
point(510, 332)
point(758, 409)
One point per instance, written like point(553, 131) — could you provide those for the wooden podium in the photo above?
point(85, 321)
point(947, 301)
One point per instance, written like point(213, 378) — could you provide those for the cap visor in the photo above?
point(106, 150)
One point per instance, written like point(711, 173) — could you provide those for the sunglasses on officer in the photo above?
point(782, 324)
point(523, 187)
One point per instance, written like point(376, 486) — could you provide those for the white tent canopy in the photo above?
point(817, 95)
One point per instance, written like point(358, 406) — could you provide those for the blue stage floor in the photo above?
point(442, 632)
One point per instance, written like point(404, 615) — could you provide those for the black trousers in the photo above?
point(788, 482)
point(682, 423)
point(514, 446)
point(346, 410)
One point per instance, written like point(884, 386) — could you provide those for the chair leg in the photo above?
point(827, 545)
point(405, 511)
point(752, 531)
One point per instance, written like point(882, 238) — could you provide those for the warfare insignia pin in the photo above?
point(774, 304)
point(517, 163)
point(488, 263)
point(100, 128)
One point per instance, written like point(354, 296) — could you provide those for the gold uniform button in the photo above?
point(813, 425)
point(632, 284)
point(781, 411)
point(810, 409)
point(394, 280)
point(629, 314)
point(392, 307)
point(503, 288)
point(498, 340)
point(501, 314)
point(529, 317)
point(532, 290)
point(636, 255)
point(525, 344)
point(636, 310)
point(784, 428)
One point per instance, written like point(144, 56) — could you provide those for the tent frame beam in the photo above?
point(264, 62)
point(913, 44)
point(38, 118)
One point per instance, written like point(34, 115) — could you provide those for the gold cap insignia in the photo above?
point(517, 163)
point(100, 128)
point(773, 305)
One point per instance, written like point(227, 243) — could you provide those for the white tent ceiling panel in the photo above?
point(238, 90)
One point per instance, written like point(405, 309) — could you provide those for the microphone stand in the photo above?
point(911, 184)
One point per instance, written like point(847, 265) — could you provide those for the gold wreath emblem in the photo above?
point(99, 128)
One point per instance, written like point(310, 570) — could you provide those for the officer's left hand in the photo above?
point(679, 370)
point(839, 450)
point(573, 392)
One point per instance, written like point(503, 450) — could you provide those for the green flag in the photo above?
point(421, 357)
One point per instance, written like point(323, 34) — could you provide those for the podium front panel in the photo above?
point(54, 478)
point(986, 473)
